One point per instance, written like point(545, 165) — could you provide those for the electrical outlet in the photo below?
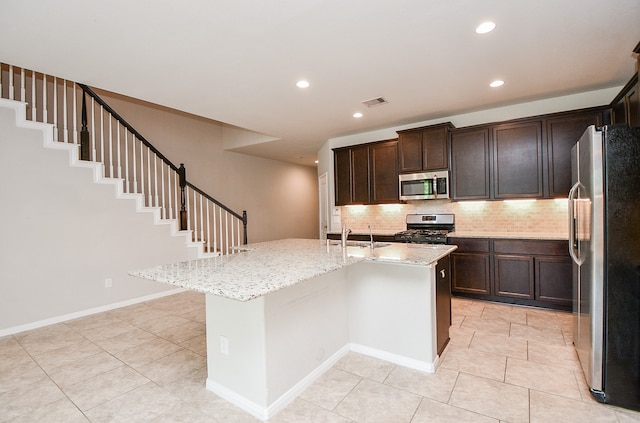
point(108, 283)
point(224, 345)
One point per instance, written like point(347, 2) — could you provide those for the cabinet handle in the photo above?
point(442, 273)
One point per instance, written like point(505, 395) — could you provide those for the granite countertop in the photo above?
point(512, 235)
point(366, 232)
point(261, 268)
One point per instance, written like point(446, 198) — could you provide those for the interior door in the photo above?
point(323, 200)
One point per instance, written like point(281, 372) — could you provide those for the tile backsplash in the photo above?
point(540, 216)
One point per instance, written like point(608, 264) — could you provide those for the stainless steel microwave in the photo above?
point(424, 186)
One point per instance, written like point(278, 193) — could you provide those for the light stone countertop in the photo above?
point(261, 268)
point(511, 235)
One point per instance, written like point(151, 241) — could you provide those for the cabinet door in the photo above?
point(513, 276)
point(554, 280)
point(384, 172)
point(562, 134)
point(435, 154)
point(632, 104)
point(360, 174)
point(471, 273)
point(470, 158)
point(443, 302)
point(517, 158)
point(342, 176)
point(410, 150)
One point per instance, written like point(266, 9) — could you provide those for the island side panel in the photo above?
point(392, 313)
point(306, 333)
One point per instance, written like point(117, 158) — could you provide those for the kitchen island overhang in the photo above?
point(281, 313)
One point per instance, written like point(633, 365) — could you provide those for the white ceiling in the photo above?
point(237, 61)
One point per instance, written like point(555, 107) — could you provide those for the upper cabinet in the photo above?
point(517, 158)
point(366, 173)
point(524, 158)
point(625, 108)
point(562, 132)
point(424, 149)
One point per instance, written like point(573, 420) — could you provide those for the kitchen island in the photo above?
point(281, 313)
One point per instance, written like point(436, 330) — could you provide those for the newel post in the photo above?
point(182, 176)
point(244, 224)
point(84, 132)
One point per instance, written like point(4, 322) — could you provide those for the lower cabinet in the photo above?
point(443, 302)
point(519, 271)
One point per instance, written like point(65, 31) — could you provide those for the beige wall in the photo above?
point(281, 199)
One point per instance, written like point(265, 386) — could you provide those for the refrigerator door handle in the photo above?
point(573, 241)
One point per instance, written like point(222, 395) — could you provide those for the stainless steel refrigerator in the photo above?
point(604, 242)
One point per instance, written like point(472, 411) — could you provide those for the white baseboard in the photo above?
point(88, 312)
point(265, 413)
point(400, 360)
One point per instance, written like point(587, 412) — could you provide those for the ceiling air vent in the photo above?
point(378, 101)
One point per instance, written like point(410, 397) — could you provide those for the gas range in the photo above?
point(427, 228)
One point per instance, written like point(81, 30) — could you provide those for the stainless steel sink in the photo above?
point(365, 244)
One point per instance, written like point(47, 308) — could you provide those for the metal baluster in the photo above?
point(110, 146)
point(186, 192)
point(102, 160)
point(220, 240)
point(164, 206)
point(75, 114)
point(169, 193)
point(23, 89)
point(226, 231)
point(118, 155)
point(133, 162)
point(93, 129)
point(201, 219)
point(45, 113)
point(215, 235)
point(55, 108)
point(65, 132)
point(149, 177)
point(195, 218)
point(34, 115)
point(208, 229)
point(11, 94)
point(155, 178)
point(142, 171)
point(126, 161)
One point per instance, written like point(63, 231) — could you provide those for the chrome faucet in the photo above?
point(345, 235)
point(371, 236)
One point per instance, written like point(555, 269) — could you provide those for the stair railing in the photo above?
point(105, 137)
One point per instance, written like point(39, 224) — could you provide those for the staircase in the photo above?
point(77, 120)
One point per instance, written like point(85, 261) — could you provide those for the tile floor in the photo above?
point(146, 363)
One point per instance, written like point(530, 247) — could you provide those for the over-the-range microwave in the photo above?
point(424, 186)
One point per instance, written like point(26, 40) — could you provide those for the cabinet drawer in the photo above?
point(531, 247)
point(476, 245)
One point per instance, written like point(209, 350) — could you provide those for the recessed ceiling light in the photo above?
point(357, 115)
point(485, 27)
point(496, 83)
point(302, 84)
point(316, 162)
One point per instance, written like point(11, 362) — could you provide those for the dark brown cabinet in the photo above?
point(424, 149)
point(470, 266)
point(562, 133)
point(443, 302)
point(517, 160)
point(366, 173)
point(528, 272)
point(470, 164)
point(626, 105)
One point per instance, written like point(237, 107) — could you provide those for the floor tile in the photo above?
point(105, 387)
point(437, 386)
point(487, 325)
point(552, 408)
point(28, 398)
point(534, 333)
point(58, 411)
point(65, 355)
point(173, 366)
point(374, 402)
point(83, 369)
point(475, 362)
point(125, 340)
point(431, 411)
point(499, 344)
point(198, 345)
point(542, 377)
point(491, 398)
point(365, 366)
point(330, 388)
point(303, 411)
point(18, 369)
point(183, 413)
point(510, 314)
point(48, 338)
point(139, 405)
point(147, 352)
point(460, 337)
point(183, 332)
point(627, 416)
point(553, 354)
point(549, 320)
